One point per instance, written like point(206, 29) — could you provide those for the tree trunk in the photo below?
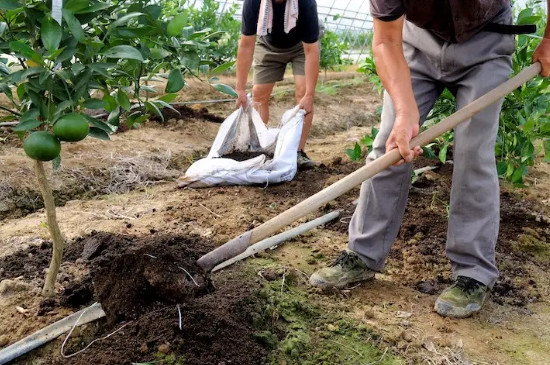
point(53, 227)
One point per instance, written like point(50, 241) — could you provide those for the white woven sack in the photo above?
point(244, 131)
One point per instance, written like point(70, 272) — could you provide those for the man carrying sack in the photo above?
point(420, 48)
point(288, 32)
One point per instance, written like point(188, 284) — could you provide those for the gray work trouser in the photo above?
point(468, 70)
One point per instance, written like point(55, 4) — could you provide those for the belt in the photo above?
point(510, 28)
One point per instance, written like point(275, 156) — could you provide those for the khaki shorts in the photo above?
point(270, 62)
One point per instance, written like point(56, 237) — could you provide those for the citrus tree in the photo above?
point(89, 55)
point(524, 128)
point(333, 49)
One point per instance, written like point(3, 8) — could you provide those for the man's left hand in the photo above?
point(307, 104)
point(542, 55)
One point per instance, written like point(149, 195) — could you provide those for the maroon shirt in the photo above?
point(451, 20)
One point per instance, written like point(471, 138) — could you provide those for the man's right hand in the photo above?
point(404, 129)
point(242, 100)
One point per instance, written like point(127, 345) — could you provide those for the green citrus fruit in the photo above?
point(42, 146)
point(71, 127)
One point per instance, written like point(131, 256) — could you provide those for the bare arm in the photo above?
point(387, 48)
point(245, 54)
point(542, 53)
point(312, 72)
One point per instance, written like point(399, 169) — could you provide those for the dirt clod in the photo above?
point(427, 287)
point(77, 294)
point(4, 340)
point(164, 348)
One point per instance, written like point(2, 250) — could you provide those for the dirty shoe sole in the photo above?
point(319, 282)
point(448, 310)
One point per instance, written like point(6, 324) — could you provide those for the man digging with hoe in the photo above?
point(420, 48)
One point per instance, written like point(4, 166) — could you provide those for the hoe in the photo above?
point(240, 244)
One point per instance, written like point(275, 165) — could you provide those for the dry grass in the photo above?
point(118, 174)
point(131, 172)
point(121, 173)
point(445, 356)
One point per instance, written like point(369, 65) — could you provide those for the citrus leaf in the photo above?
point(4, 88)
point(99, 124)
point(226, 89)
point(123, 100)
point(123, 20)
point(533, 19)
point(27, 125)
point(110, 102)
point(443, 153)
point(222, 68)
point(99, 134)
point(517, 176)
point(50, 33)
point(61, 107)
point(164, 104)
point(114, 117)
point(31, 114)
point(76, 5)
point(502, 166)
point(175, 81)
point(24, 50)
point(167, 98)
point(95, 7)
point(4, 69)
point(159, 53)
point(176, 24)
point(124, 52)
point(94, 104)
point(153, 108)
point(10, 5)
point(74, 25)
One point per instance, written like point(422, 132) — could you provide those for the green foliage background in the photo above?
point(102, 56)
point(524, 129)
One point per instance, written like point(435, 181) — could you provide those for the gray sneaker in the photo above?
point(304, 162)
point(347, 269)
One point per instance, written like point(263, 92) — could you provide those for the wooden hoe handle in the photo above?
point(208, 261)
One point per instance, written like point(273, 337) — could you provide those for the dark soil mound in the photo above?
point(126, 285)
point(243, 156)
point(141, 282)
point(215, 329)
point(31, 262)
point(185, 112)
